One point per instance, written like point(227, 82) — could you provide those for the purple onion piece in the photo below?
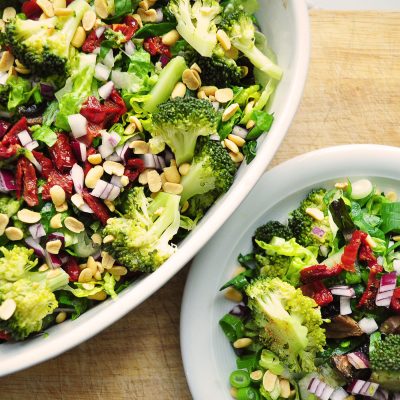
point(37, 231)
point(64, 257)
point(240, 311)
point(7, 181)
point(318, 232)
point(164, 60)
point(388, 282)
point(79, 150)
point(56, 236)
point(358, 360)
point(152, 161)
point(159, 15)
point(37, 248)
point(47, 91)
point(240, 131)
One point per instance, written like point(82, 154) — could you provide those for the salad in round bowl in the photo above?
point(305, 304)
point(130, 131)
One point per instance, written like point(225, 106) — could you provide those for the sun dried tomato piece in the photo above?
point(11, 137)
point(134, 167)
point(319, 272)
point(99, 209)
point(368, 298)
point(92, 42)
point(93, 131)
point(45, 163)
point(71, 267)
point(395, 302)
point(350, 253)
point(127, 30)
point(317, 291)
point(4, 335)
point(57, 178)
point(92, 110)
point(62, 154)
point(7, 152)
point(154, 46)
point(119, 101)
point(31, 9)
point(88, 166)
point(26, 182)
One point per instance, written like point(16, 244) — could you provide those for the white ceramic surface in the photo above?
point(287, 28)
point(380, 5)
point(207, 355)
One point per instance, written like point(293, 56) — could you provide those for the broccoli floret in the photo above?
point(31, 292)
point(266, 232)
point(289, 322)
point(4, 93)
point(197, 23)
point(43, 46)
point(181, 121)
point(211, 171)
point(307, 230)
point(284, 259)
point(218, 71)
point(240, 28)
point(142, 235)
point(384, 358)
point(9, 205)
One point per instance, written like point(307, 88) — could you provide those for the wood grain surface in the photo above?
point(352, 96)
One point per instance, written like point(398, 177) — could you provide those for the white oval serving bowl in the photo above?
point(207, 355)
point(287, 28)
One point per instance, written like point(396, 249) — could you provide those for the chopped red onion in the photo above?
point(37, 231)
point(382, 394)
point(358, 360)
point(396, 266)
point(99, 188)
point(114, 138)
point(356, 386)
point(370, 390)
point(326, 394)
point(115, 191)
point(396, 396)
point(107, 191)
point(101, 72)
point(152, 161)
point(318, 232)
point(345, 291)
point(80, 204)
point(385, 302)
point(388, 282)
point(78, 125)
point(32, 145)
point(47, 91)
point(56, 236)
point(159, 15)
point(164, 60)
point(105, 90)
point(99, 31)
point(116, 181)
point(345, 306)
point(384, 295)
point(215, 137)
point(339, 394)
point(79, 150)
point(7, 181)
point(123, 151)
point(114, 157)
point(106, 148)
point(24, 137)
point(37, 248)
point(109, 59)
point(64, 257)
point(96, 50)
point(129, 48)
point(52, 260)
point(313, 385)
point(240, 131)
point(78, 177)
point(368, 325)
point(320, 389)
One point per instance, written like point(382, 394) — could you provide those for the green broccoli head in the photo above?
point(181, 121)
point(384, 356)
point(16, 262)
point(266, 232)
point(308, 230)
point(9, 205)
point(43, 46)
point(240, 28)
point(218, 71)
point(197, 23)
point(289, 322)
point(211, 171)
point(142, 235)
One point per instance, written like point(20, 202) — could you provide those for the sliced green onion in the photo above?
point(256, 376)
point(247, 393)
point(232, 326)
point(239, 379)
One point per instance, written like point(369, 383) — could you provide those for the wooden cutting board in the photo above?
point(352, 96)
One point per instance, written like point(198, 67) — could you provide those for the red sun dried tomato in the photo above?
point(62, 154)
point(132, 22)
point(88, 166)
point(26, 182)
point(93, 131)
point(99, 209)
point(368, 298)
point(154, 46)
point(119, 101)
point(395, 302)
point(4, 127)
point(317, 291)
point(92, 110)
point(350, 253)
point(57, 178)
point(4, 335)
point(319, 272)
point(92, 42)
point(31, 9)
point(71, 267)
point(127, 30)
point(11, 137)
point(45, 163)
point(134, 167)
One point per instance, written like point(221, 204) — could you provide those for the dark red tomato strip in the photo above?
point(71, 267)
point(317, 291)
point(92, 42)
point(350, 253)
point(154, 46)
point(62, 154)
point(99, 209)
point(26, 182)
point(127, 30)
point(134, 167)
point(395, 302)
point(57, 178)
point(45, 163)
point(31, 9)
point(319, 272)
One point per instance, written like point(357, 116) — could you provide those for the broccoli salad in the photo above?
point(121, 123)
point(318, 313)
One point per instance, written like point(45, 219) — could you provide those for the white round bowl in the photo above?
point(287, 28)
point(207, 355)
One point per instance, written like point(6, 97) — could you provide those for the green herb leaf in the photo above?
point(150, 30)
point(390, 213)
point(250, 150)
point(67, 299)
point(263, 122)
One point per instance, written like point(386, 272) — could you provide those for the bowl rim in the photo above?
point(219, 214)
point(317, 166)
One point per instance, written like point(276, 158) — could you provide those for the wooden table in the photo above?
point(352, 96)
